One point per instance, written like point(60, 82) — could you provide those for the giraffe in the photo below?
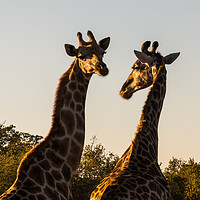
point(47, 171)
point(137, 175)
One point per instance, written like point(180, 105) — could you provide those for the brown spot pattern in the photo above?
point(67, 118)
point(54, 159)
point(36, 174)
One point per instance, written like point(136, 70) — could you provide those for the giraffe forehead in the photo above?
point(157, 58)
point(139, 65)
point(91, 49)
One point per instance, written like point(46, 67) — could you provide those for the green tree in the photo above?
point(191, 172)
point(95, 164)
point(184, 179)
point(13, 146)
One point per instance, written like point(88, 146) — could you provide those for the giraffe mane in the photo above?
point(144, 109)
point(57, 105)
point(59, 92)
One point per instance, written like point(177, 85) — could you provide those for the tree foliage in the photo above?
point(183, 176)
point(95, 164)
point(184, 179)
point(13, 146)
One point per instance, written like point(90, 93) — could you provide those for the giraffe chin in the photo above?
point(102, 72)
point(126, 95)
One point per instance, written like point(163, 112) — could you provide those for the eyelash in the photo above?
point(137, 68)
point(81, 57)
point(140, 68)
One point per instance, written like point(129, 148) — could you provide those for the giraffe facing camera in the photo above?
point(47, 171)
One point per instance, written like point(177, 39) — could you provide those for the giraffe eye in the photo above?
point(80, 55)
point(136, 67)
point(143, 67)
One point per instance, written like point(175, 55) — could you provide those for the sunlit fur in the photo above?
point(142, 76)
point(47, 171)
point(90, 54)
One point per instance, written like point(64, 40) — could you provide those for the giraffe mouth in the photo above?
point(126, 94)
point(103, 72)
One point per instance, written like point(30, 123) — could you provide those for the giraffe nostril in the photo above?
point(98, 66)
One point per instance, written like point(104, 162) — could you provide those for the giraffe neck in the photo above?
point(147, 131)
point(69, 117)
point(144, 147)
point(49, 168)
point(137, 170)
point(71, 94)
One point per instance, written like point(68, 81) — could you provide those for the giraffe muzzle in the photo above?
point(101, 68)
point(126, 91)
point(126, 94)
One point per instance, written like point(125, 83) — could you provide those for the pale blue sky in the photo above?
point(32, 59)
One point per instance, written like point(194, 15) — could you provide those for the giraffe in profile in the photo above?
point(137, 175)
point(47, 171)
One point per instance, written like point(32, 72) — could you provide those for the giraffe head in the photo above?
point(90, 54)
point(145, 69)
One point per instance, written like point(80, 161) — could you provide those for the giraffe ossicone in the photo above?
point(137, 174)
point(47, 171)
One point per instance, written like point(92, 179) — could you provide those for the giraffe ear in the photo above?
point(71, 50)
point(104, 43)
point(169, 59)
point(143, 57)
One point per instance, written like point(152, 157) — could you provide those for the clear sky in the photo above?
point(32, 59)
